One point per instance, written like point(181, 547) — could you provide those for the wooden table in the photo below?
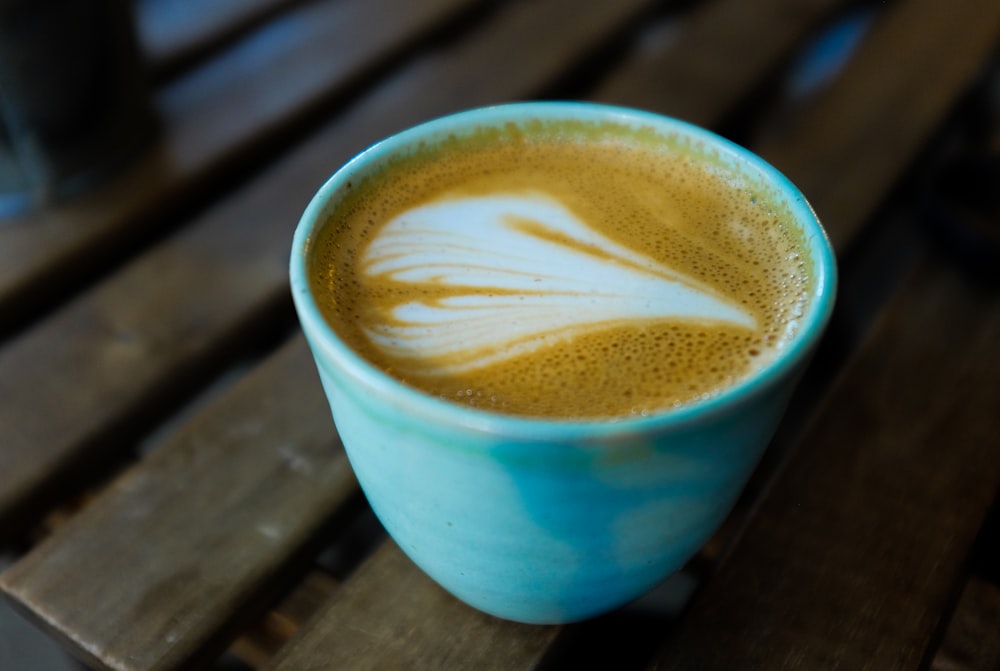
point(169, 477)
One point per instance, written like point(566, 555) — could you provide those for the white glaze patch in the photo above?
point(545, 290)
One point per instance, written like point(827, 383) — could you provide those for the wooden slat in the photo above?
point(153, 573)
point(175, 33)
point(73, 385)
point(216, 120)
point(972, 640)
point(850, 560)
point(715, 57)
point(872, 122)
point(392, 616)
point(155, 324)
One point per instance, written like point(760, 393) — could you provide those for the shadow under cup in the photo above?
point(551, 521)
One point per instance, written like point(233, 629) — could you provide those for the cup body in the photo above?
point(550, 521)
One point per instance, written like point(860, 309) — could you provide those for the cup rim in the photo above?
point(322, 337)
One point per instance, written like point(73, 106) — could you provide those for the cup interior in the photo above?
point(726, 154)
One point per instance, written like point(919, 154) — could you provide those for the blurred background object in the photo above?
point(74, 105)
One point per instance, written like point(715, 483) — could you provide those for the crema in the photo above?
point(562, 269)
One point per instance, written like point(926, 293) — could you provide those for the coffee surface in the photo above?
point(562, 270)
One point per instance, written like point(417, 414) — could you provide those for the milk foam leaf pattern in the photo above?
point(503, 274)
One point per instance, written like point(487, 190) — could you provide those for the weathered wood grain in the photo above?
point(155, 571)
point(392, 616)
point(217, 121)
point(851, 558)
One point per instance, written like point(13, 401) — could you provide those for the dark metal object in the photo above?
point(73, 97)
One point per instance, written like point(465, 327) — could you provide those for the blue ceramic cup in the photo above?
point(551, 521)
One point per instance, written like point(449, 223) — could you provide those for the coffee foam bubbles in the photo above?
point(566, 272)
point(520, 271)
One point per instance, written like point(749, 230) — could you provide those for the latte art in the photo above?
point(561, 269)
point(549, 277)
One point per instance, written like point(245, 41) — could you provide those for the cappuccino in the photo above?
point(562, 269)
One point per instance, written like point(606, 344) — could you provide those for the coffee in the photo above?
point(562, 269)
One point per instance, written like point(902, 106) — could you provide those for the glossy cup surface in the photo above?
point(550, 521)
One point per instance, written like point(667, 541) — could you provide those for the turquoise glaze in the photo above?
point(551, 521)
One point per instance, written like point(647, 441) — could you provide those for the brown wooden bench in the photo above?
point(170, 477)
